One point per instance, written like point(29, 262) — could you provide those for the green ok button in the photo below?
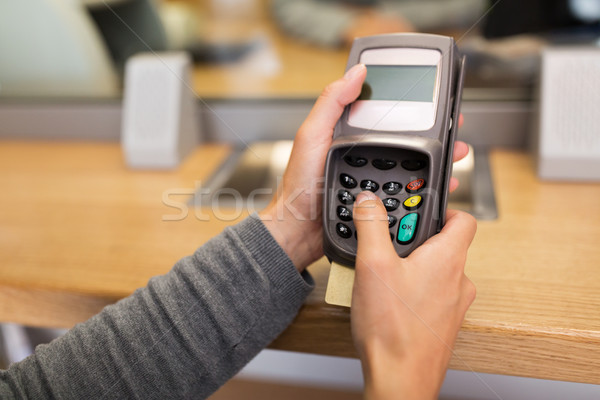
point(407, 228)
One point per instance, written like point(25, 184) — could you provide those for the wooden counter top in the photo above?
point(78, 231)
point(277, 66)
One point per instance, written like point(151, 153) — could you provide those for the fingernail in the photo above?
point(364, 196)
point(352, 72)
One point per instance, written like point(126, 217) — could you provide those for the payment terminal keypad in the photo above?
point(395, 140)
point(397, 176)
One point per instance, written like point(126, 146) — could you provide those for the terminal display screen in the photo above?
point(399, 83)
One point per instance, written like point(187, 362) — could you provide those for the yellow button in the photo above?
point(412, 202)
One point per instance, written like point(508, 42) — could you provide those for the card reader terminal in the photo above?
point(395, 140)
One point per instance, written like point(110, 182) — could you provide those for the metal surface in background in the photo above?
point(251, 176)
point(487, 123)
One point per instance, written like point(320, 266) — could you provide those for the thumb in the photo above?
point(330, 105)
point(370, 219)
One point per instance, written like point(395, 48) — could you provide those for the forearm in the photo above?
point(183, 335)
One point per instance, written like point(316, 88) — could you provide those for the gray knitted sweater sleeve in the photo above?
point(181, 336)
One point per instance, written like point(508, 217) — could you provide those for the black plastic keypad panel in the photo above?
point(397, 176)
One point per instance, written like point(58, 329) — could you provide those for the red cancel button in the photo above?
point(415, 185)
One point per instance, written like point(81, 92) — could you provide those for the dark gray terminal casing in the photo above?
point(435, 146)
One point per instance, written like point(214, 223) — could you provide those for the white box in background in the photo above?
point(160, 125)
point(568, 145)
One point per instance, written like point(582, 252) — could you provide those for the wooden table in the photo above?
point(78, 230)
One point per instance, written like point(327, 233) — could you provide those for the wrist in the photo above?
point(390, 375)
point(295, 236)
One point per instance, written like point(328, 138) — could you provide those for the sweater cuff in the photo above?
point(273, 260)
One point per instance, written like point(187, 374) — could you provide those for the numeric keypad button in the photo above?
point(391, 220)
point(347, 181)
point(368, 184)
point(345, 197)
point(344, 213)
point(343, 230)
point(391, 204)
point(391, 188)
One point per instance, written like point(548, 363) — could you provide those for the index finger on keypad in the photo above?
point(371, 222)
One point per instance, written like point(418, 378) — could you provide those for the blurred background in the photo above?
point(64, 60)
point(256, 68)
